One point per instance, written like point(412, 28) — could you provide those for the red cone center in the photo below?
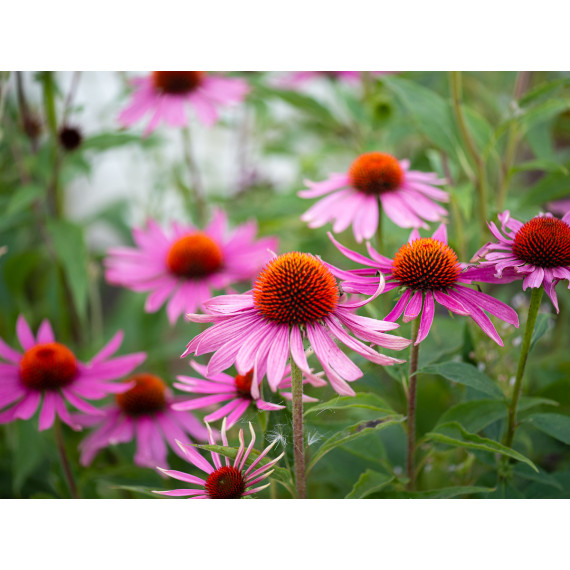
point(295, 288)
point(194, 255)
point(177, 82)
point(48, 366)
point(426, 263)
point(544, 241)
point(146, 397)
point(225, 483)
point(243, 383)
point(376, 173)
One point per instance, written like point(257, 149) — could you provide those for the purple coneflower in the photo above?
point(144, 412)
point(294, 297)
point(238, 391)
point(49, 371)
point(229, 481)
point(428, 271)
point(538, 252)
point(187, 265)
point(407, 196)
point(164, 95)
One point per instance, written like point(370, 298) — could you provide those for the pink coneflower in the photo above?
point(295, 296)
point(538, 252)
point(144, 412)
point(428, 270)
point(238, 391)
point(407, 196)
point(164, 95)
point(224, 481)
point(187, 265)
point(296, 78)
point(50, 370)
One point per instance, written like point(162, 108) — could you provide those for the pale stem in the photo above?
point(195, 179)
point(411, 417)
point(456, 94)
point(535, 299)
point(64, 460)
point(298, 436)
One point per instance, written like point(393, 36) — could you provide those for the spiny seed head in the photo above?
point(426, 263)
point(295, 288)
point(48, 366)
point(544, 241)
point(225, 483)
point(146, 397)
point(194, 255)
point(243, 383)
point(376, 173)
point(177, 82)
point(70, 138)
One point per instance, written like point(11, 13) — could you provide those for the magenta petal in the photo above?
point(427, 317)
point(47, 414)
point(25, 335)
point(414, 307)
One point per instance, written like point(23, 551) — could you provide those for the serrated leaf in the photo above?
point(554, 425)
point(369, 482)
point(454, 434)
point(361, 400)
point(71, 251)
point(350, 433)
point(465, 374)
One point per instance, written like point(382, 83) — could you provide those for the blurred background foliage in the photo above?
point(52, 268)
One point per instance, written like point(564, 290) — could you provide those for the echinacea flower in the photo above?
point(229, 481)
point(353, 197)
point(538, 252)
point(428, 271)
point(188, 264)
point(294, 297)
point(238, 391)
point(144, 412)
point(295, 78)
point(164, 95)
point(48, 371)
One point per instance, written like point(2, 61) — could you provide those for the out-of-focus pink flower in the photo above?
point(375, 181)
point(186, 265)
point(48, 372)
point(163, 95)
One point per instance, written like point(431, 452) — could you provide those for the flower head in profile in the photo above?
point(428, 271)
point(48, 372)
point(145, 412)
point(295, 297)
point(375, 181)
point(239, 392)
point(163, 95)
point(186, 265)
point(223, 481)
point(537, 252)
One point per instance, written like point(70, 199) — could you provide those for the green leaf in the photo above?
point(445, 493)
point(369, 482)
point(136, 489)
point(30, 450)
point(542, 89)
point(554, 425)
point(541, 165)
point(350, 433)
point(70, 248)
point(360, 400)
point(551, 187)
point(107, 141)
point(465, 374)
point(431, 113)
point(540, 328)
point(453, 433)
point(475, 415)
point(23, 197)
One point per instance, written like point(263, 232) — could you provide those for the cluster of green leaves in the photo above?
point(355, 446)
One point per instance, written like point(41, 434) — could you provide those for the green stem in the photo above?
point(411, 419)
point(456, 94)
point(521, 85)
point(535, 299)
point(195, 179)
point(64, 460)
point(298, 437)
